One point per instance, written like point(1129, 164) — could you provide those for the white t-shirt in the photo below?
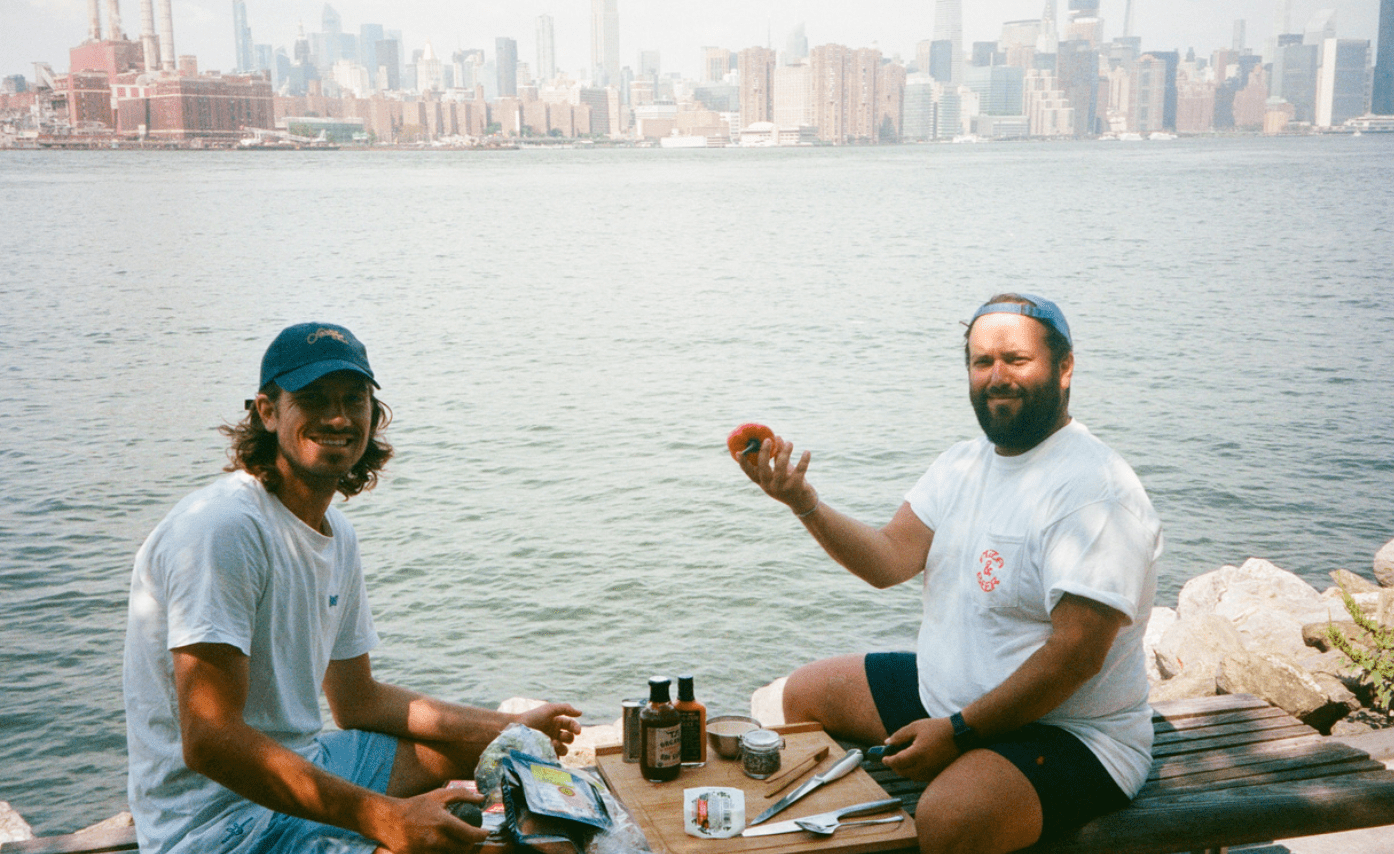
point(231, 564)
point(1011, 536)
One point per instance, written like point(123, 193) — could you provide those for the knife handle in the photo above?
point(868, 808)
point(844, 766)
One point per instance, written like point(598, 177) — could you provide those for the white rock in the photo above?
point(13, 827)
point(116, 822)
point(1384, 565)
point(1195, 645)
point(1267, 605)
point(1157, 625)
point(1183, 687)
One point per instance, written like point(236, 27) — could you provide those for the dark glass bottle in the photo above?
point(694, 724)
point(660, 734)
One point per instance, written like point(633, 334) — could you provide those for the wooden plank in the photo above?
point(1237, 816)
point(91, 842)
point(1207, 745)
point(1199, 722)
point(1276, 775)
point(1293, 752)
point(1235, 724)
point(1174, 710)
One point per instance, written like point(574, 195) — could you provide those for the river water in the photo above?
point(567, 336)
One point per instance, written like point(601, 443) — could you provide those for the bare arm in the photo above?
point(211, 681)
point(883, 557)
point(359, 701)
point(1082, 632)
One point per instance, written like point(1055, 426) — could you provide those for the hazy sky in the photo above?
point(43, 30)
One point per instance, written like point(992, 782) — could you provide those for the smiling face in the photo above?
point(1017, 388)
point(322, 430)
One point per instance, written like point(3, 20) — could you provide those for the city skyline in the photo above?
point(44, 30)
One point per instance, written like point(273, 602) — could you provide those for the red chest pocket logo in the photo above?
point(991, 563)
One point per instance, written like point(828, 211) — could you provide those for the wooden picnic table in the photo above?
point(1227, 770)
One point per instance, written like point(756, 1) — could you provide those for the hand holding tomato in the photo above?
point(747, 439)
point(764, 457)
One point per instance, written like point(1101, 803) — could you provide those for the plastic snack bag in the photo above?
point(549, 809)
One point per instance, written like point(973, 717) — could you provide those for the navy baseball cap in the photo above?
point(1044, 310)
point(305, 352)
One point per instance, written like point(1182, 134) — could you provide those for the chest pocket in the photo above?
point(1003, 579)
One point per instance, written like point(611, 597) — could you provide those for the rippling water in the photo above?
point(567, 336)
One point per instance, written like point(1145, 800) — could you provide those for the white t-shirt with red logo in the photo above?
point(1011, 536)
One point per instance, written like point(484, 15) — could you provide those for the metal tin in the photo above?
point(630, 724)
point(760, 753)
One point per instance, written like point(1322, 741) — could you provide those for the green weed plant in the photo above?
point(1376, 660)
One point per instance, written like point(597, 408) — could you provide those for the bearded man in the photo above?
point(1025, 703)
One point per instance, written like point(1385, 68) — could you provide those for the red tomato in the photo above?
point(746, 439)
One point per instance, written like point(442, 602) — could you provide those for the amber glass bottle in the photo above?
point(660, 734)
point(694, 724)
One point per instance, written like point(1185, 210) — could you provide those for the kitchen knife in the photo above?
point(851, 759)
point(791, 825)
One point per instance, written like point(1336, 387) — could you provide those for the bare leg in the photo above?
point(981, 804)
point(834, 693)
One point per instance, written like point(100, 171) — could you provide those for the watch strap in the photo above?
point(965, 737)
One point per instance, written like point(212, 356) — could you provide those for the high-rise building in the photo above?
point(890, 101)
point(506, 60)
point(546, 49)
point(756, 66)
point(1077, 74)
point(918, 110)
point(830, 68)
point(1382, 102)
point(862, 123)
point(388, 74)
point(242, 37)
point(796, 46)
point(368, 37)
point(605, 42)
point(1237, 44)
point(716, 61)
point(1294, 78)
point(948, 26)
point(941, 60)
point(1000, 88)
point(793, 96)
point(1341, 92)
point(1149, 113)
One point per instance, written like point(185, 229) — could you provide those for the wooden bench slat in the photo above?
point(1245, 716)
point(1296, 750)
point(1260, 774)
point(1237, 816)
point(1175, 710)
point(1218, 729)
point(1238, 739)
point(91, 842)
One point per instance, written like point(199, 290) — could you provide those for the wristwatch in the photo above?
point(965, 737)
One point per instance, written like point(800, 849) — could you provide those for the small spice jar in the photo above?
point(760, 753)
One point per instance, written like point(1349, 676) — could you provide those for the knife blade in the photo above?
point(851, 759)
point(791, 825)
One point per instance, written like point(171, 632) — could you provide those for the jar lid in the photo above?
point(760, 739)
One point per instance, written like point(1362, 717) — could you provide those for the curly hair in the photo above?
point(254, 449)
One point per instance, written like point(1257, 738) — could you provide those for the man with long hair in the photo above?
point(247, 601)
point(1024, 706)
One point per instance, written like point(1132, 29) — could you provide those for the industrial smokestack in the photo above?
point(113, 21)
point(166, 36)
point(149, 43)
point(94, 21)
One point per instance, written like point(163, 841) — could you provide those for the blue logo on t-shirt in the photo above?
point(333, 600)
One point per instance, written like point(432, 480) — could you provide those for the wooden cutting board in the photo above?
point(658, 807)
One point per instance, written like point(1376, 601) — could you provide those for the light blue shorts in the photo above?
point(362, 758)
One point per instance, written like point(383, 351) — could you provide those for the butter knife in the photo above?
point(851, 759)
point(792, 824)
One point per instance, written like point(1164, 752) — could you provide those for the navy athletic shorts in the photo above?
point(1072, 784)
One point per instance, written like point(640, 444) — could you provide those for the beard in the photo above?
point(1034, 419)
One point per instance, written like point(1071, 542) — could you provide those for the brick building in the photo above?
point(209, 107)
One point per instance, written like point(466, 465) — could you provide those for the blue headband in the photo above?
point(1044, 310)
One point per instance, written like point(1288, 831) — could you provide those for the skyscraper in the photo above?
point(546, 49)
point(605, 42)
point(948, 26)
point(796, 46)
point(1341, 82)
point(1383, 101)
point(506, 59)
point(242, 37)
point(756, 66)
